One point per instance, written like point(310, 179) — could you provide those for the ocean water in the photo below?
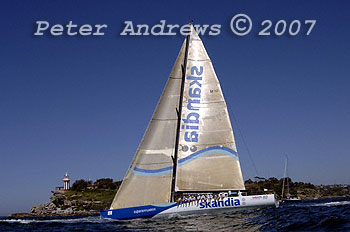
point(318, 215)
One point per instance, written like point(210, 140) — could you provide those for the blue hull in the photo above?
point(146, 211)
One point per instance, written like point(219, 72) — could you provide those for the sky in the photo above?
point(82, 103)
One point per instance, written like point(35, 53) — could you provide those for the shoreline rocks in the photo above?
point(83, 198)
point(60, 205)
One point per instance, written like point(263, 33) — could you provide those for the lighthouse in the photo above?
point(66, 181)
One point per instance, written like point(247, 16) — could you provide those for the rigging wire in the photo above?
point(242, 137)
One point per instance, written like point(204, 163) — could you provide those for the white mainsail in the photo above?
point(207, 159)
point(148, 180)
point(207, 155)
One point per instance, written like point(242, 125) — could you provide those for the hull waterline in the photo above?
point(194, 208)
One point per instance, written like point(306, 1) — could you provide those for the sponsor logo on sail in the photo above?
point(191, 120)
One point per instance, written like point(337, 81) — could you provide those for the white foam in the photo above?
point(70, 220)
point(335, 203)
point(23, 221)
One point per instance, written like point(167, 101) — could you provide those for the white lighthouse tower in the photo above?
point(66, 181)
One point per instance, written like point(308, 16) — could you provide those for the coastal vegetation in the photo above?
point(305, 191)
point(86, 196)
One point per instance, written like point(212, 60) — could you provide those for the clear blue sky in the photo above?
point(81, 104)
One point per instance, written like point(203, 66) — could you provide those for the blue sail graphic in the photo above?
point(188, 159)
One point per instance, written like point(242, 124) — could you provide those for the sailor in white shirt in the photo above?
point(202, 198)
point(198, 199)
point(179, 201)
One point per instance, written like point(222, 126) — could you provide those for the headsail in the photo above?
point(148, 180)
point(207, 160)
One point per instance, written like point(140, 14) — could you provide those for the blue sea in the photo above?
point(317, 215)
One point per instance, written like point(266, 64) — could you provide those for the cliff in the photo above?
point(75, 202)
point(84, 198)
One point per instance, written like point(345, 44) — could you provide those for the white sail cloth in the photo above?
point(208, 159)
point(148, 180)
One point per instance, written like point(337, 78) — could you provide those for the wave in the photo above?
point(316, 215)
point(334, 203)
point(23, 221)
point(91, 219)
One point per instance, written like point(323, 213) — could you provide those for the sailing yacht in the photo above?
point(188, 152)
point(286, 179)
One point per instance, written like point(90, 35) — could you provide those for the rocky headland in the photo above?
point(84, 198)
point(88, 198)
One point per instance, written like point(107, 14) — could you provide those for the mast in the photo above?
point(179, 112)
point(288, 194)
point(284, 176)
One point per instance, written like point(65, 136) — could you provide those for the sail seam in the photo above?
point(203, 103)
point(198, 60)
